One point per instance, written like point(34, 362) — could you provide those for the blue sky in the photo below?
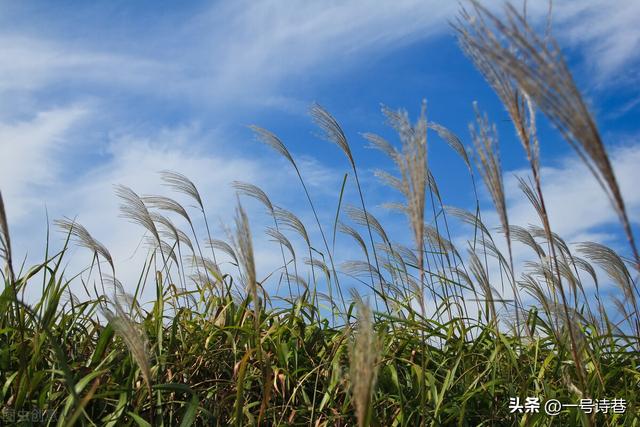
point(100, 93)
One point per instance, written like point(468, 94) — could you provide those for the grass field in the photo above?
point(434, 334)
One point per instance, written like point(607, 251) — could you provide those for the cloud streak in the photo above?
point(250, 52)
point(30, 154)
point(575, 202)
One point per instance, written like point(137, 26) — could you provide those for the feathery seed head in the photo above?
point(364, 358)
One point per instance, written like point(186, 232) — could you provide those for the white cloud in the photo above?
point(133, 160)
point(29, 153)
point(266, 42)
point(607, 32)
point(32, 63)
point(239, 53)
point(255, 46)
point(575, 202)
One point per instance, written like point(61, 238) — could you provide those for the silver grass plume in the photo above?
point(390, 180)
point(166, 204)
point(520, 234)
point(363, 369)
point(436, 240)
point(379, 143)
point(452, 140)
point(168, 251)
point(83, 238)
point(516, 102)
point(316, 263)
point(350, 231)
point(433, 185)
point(615, 267)
point(170, 230)
point(291, 221)
point(182, 184)
point(357, 267)
point(332, 130)
point(469, 218)
point(406, 254)
point(527, 188)
point(367, 219)
point(536, 66)
point(280, 238)
point(207, 264)
point(334, 133)
point(224, 247)
point(133, 208)
point(296, 279)
point(129, 330)
point(5, 241)
point(274, 142)
point(413, 169)
point(244, 250)
point(255, 192)
point(482, 279)
point(485, 141)
point(395, 206)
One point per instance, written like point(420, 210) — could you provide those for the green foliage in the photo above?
point(208, 371)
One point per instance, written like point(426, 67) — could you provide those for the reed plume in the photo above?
point(363, 369)
point(131, 332)
point(133, 208)
point(184, 185)
point(244, 251)
point(5, 242)
point(512, 55)
point(84, 239)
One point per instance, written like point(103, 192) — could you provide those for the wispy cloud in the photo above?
point(577, 206)
point(133, 160)
point(265, 43)
point(607, 33)
point(240, 53)
point(32, 63)
point(30, 152)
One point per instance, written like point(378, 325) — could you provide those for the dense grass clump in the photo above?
point(418, 333)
